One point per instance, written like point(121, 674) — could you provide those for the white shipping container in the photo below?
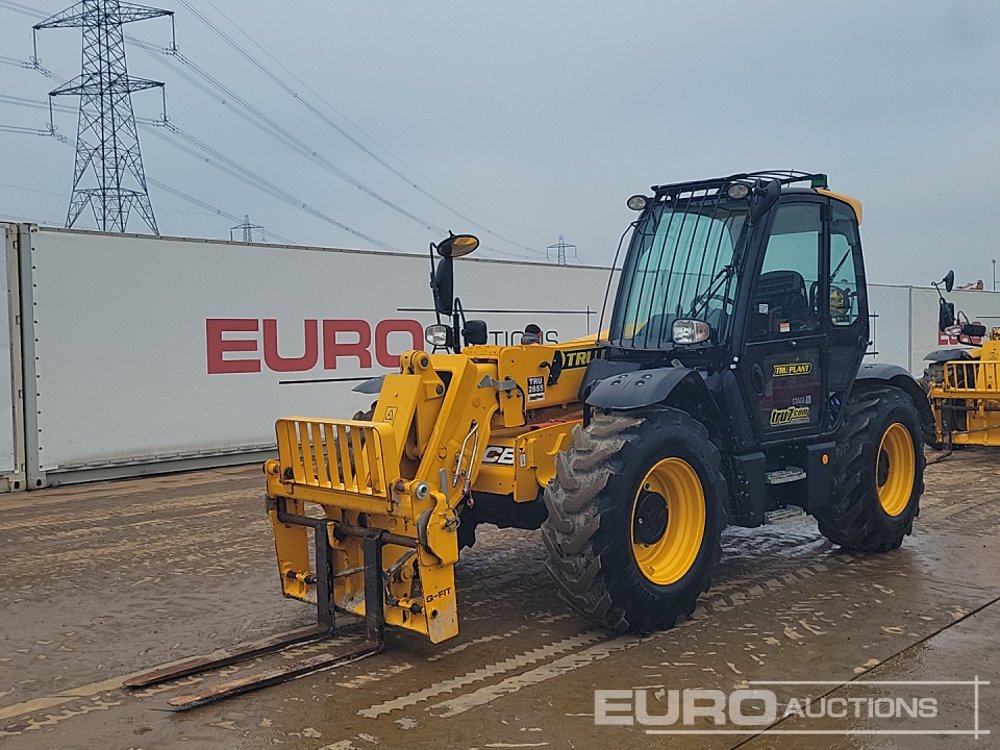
point(142, 354)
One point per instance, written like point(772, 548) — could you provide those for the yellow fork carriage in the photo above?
point(366, 514)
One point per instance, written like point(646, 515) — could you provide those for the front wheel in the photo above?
point(635, 518)
point(878, 472)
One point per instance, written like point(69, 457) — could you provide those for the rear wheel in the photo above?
point(635, 517)
point(878, 472)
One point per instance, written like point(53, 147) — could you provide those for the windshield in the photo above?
point(679, 265)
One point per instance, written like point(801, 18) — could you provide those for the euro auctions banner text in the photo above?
point(152, 346)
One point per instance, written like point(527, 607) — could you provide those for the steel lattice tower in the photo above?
point(559, 249)
point(108, 176)
point(247, 229)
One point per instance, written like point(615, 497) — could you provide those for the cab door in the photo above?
point(783, 367)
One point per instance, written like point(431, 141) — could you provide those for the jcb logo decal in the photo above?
point(791, 415)
point(498, 454)
point(795, 368)
point(579, 358)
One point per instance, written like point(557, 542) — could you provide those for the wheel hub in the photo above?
point(895, 473)
point(883, 467)
point(651, 518)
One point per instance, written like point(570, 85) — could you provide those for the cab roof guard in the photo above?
point(716, 184)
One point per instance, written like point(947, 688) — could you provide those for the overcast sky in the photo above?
point(540, 118)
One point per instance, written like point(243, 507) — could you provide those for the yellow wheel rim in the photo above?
point(896, 470)
point(668, 521)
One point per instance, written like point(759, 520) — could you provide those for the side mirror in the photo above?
point(949, 281)
point(475, 332)
point(443, 276)
point(763, 196)
point(443, 286)
point(946, 314)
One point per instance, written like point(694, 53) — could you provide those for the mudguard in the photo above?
point(634, 390)
point(677, 387)
point(947, 355)
point(372, 385)
point(900, 378)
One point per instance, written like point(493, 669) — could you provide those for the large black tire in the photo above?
point(855, 518)
point(589, 529)
point(951, 421)
point(933, 375)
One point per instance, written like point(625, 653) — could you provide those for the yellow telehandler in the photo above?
point(728, 384)
point(963, 383)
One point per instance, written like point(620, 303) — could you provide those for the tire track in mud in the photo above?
point(737, 591)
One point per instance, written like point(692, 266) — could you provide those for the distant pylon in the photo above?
point(560, 249)
point(108, 175)
point(247, 228)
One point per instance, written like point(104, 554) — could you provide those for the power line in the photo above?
point(223, 163)
point(156, 183)
point(269, 73)
point(218, 160)
point(24, 131)
point(275, 130)
point(253, 115)
point(21, 8)
point(208, 207)
point(267, 125)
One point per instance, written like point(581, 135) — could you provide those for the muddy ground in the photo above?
point(104, 580)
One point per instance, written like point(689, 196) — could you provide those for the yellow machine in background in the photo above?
point(965, 397)
point(963, 384)
point(966, 402)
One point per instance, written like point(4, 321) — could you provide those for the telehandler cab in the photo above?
point(728, 384)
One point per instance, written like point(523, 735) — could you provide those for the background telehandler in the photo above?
point(729, 383)
point(963, 383)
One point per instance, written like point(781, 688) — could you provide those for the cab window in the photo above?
point(784, 299)
point(845, 248)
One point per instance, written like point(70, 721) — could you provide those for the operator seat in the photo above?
point(784, 294)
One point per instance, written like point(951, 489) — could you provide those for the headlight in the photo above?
point(691, 331)
point(738, 191)
point(437, 335)
point(637, 202)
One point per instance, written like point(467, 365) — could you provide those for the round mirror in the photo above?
point(457, 245)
